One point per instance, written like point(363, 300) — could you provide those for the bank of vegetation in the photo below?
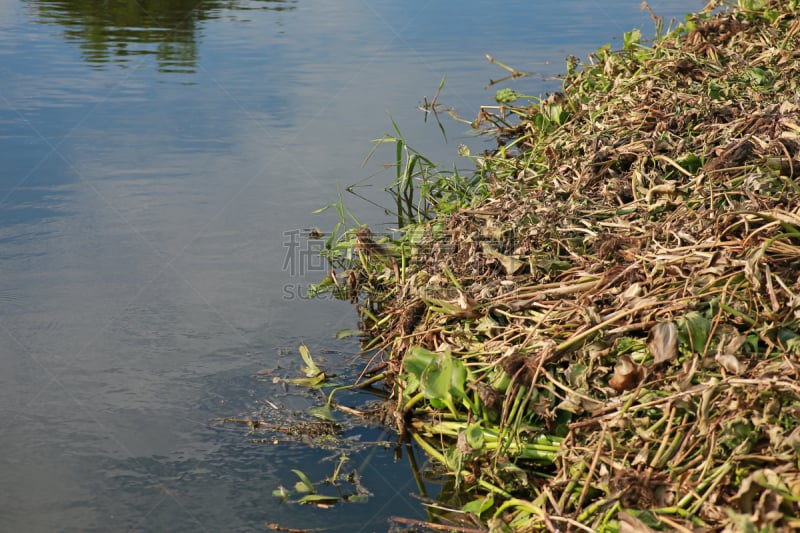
point(599, 329)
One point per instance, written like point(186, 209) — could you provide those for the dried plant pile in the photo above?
point(610, 338)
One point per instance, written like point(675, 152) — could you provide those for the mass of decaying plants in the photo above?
point(599, 329)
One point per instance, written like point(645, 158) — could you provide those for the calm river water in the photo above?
point(159, 160)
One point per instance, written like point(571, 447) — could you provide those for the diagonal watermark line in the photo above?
point(169, 494)
point(398, 35)
point(52, 378)
point(389, 502)
point(298, 165)
point(604, 12)
point(283, 148)
point(54, 149)
point(103, 100)
point(170, 264)
point(152, 509)
point(98, 333)
point(259, 173)
point(55, 380)
point(325, 105)
point(280, 148)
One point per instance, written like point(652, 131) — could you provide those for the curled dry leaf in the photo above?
point(663, 342)
point(730, 344)
point(632, 292)
point(665, 189)
point(511, 265)
point(627, 375)
point(730, 363)
point(467, 306)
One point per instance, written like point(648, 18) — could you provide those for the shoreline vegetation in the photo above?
point(599, 328)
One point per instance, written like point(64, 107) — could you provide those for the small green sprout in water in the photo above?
point(314, 376)
point(348, 488)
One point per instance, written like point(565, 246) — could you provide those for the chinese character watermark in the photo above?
point(303, 256)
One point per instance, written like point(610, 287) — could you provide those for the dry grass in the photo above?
point(610, 340)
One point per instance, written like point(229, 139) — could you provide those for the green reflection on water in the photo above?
point(120, 30)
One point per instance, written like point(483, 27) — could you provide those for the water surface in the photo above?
point(159, 161)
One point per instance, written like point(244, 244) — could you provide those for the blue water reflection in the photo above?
point(121, 30)
point(156, 156)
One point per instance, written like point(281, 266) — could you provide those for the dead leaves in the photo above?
point(653, 227)
point(727, 353)
point(663, 342)
point(627, 375)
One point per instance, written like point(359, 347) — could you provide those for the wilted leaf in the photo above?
point(687, 373)
point(311, 369)
point(769, 479)
point(627, 375)
point(462, 446)
point(467, 306)
point(510, 264)
point(571, 404)
point(731, 343)
point(577, 375)
point(752, 272)
point(462, 307)
point(486, 324)
point(633, 291)
point(730, 363)
point(663, 342)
